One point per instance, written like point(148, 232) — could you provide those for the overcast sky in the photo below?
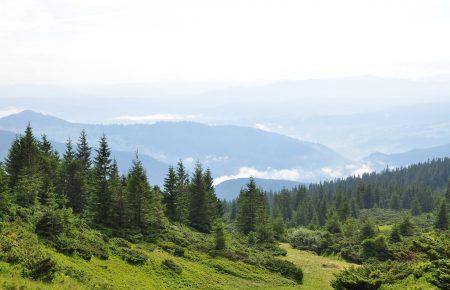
point(110, 41)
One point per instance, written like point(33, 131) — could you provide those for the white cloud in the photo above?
point(155, 118)
point(9, 111)
point(360, 169)
point(262, 127)
point(269, 173)
point(189, 161)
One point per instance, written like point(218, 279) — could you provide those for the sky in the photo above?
point(127, 41)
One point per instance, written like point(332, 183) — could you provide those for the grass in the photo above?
point(318, 271)
point(199, 271)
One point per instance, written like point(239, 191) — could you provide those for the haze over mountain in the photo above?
point(354, 115)
point(227, 150)
point(381, 160)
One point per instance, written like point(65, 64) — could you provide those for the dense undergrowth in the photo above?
point(79, 257)
point(404, 251)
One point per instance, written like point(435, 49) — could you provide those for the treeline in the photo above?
point(87, 181)
point(417, 188)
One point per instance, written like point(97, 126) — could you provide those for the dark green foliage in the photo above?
point(376, 248)
point(171, 266)
point(252, 215)
point(285, 268)
point(124, 250)
point(406, 227)
point(54, 222)
point(19, 245)
point(182, 194)
point(311, 240)
point(395, 235)
point(27, 190)
point(199, 217)
point(441, 273)
point(146, 213)
point(442, 221)
point(367, 230)
point(23, 157)
point(170, 194)
point(278, 227)
point(219, 234)
point(333, 224)
point(72, 181)
point(360, 278)
point(102, 197)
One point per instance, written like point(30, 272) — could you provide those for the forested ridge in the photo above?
point(75, 205)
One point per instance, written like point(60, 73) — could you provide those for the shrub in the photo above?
point(285, 268)
point(19, 245)
point(372, 276)
point(54, 222)
point(132, 256)
point(172, 266)
point(406, 227)
point(219, 234)
point(306, 239)
point(376, 248)
point(179, 251)
point(359, 278)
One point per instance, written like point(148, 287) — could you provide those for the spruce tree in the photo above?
point(447, 194)
point(406, 227)
point(199, 217)
point(252, 209)
point(219, 233)
point(442, 222)
point(182, 194)
point(214, 204)
point(102, 197)
point(333, 224)
point(83, 154)
point(119, 199)
point(23, 157)
point(48, 169)
point(71, 180)
point(395, 235)
point(170, 194)
point(146, 213)
point(415, 206)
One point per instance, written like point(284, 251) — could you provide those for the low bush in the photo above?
point(311, 240)
point(132, 256)
point(285, 268)
point(18, 245)
point(172, 266)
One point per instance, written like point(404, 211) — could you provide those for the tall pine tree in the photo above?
point(199, 217)
point(101, 204)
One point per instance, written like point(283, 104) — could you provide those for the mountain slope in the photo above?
point(381, 160)
point(230, 189)
point(224, 149)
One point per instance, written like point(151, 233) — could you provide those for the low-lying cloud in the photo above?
point(269, 173)
point(155, 118)
point(9, 111)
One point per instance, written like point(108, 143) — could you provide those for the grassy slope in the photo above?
point(199, 272)
point(318, 271)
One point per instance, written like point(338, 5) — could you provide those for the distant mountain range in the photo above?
point(224, 149)
point(230, 189)
point(354, 116)
point(381, 160)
